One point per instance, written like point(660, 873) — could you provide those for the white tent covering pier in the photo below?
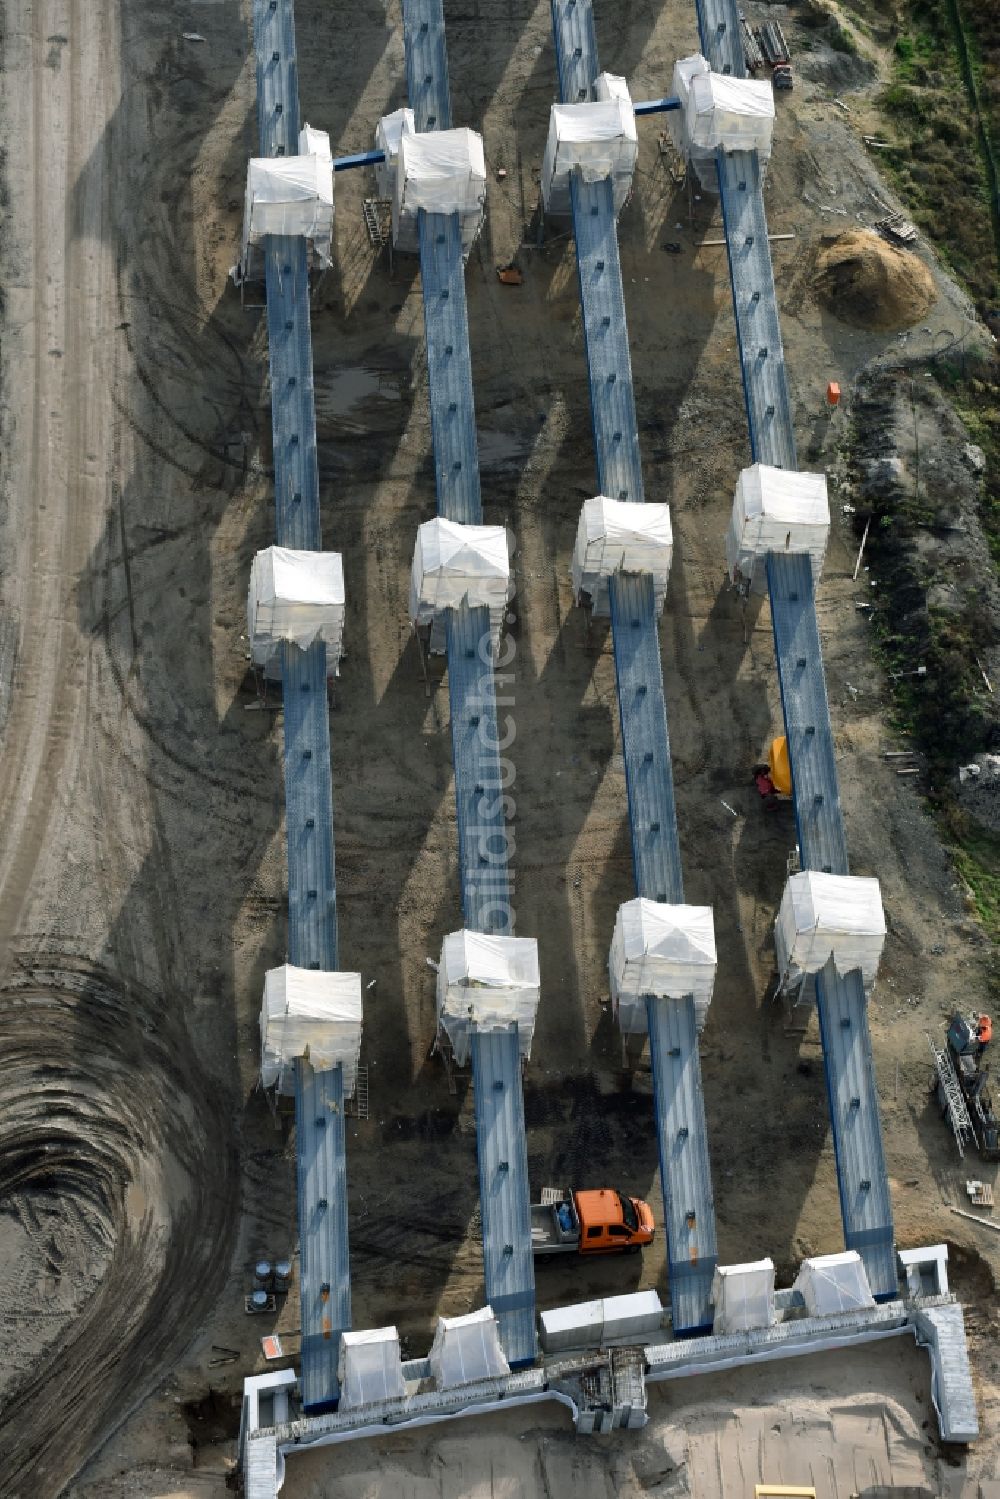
point(832, 1283)
point(487, 983)
point(621, 536)
point(829, 915)
point(775, 510)
point(296, 597)
point(439, 171)
point(718, 113)
point(598, 139)
point(291, 196)
point(309, 1013)
point(663, 950)
point(454, 562)
point(466, 1350)
point(743, 1297)
point(388, 133)
point(370, 1368)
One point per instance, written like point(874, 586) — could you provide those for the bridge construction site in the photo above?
point(428, 169)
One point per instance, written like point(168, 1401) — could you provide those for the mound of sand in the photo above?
point(865, 281)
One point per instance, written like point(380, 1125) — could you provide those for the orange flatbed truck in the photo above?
point(597, 1222)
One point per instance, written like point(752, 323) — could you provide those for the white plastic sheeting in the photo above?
point(831, 1283)
point(636, 1316)
point(663, 950)
point(440, 171)
point(775, 510)
point(743, 1297)
point(829, 915)
point(452, 562)
point(621, 536)
point(466, 1350)
point(298, 597)
point(370, 1368)
point(290, 195)
point(388, 133)
point(487, 983)
point(701, 158)
point(313, 142)
point(597, 139)
point(729, 114)
point(309, 1013)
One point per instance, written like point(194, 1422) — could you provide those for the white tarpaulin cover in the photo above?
point(467, 1350)
point(440, 171)
point(308, 1011)
point(621, 535)
point(824, 915)
point(290, 195)
point(664, 950)
point(832, 1283)
point(731, 114)
point(487, 982)
point(775, 510)
point(370, 1368)
point(388, 133)
point(452, 562)
point(743, 1297)
point(299, 597)
point(702, 158)
point(598, 139)
point(313, 142)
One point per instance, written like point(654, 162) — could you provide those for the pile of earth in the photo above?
point(865, 281)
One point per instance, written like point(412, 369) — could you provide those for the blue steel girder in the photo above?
point(721, 38)
point(426, 64)
point(576, 49)
point(312, 875)
point(609, 367)
point(649, 780)
point(685, 1167)
point(504, 1198)
point(324, 1271)
point(483, 837)
point(293, 408)
point(277, 77)
point(449, 369)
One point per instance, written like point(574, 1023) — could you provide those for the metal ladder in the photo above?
point(375, 217)
point(958, 1113)
point(359, 1103)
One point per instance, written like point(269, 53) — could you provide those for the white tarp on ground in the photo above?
point(621, 535)
point(831, 1283)
point(488, 983)
point(729, 114)
point(452, 562)
point(466, 1350)
point(440, 171)
point(664, 950)
point(701, 158)
point(308, 1012)
point(775, 510)
point(829, 915)
point(743, 1297)
point(370, 1367)
point(290, 195)
point(388, 133)
point(598, 139)
point(298, 597)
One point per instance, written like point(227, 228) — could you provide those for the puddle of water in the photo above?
point(496, 449)
point(346, 389)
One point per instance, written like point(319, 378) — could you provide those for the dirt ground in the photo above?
point(142, 880)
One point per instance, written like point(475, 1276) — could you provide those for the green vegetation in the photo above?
point(976, 853)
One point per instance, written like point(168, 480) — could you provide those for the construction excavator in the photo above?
point(962, 1083)
point(774, 779)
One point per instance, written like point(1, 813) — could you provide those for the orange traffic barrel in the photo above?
point(833, 394)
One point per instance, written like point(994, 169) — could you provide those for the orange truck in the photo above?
point(597, 1222)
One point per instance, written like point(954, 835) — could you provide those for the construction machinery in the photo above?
point(962, 1084)
point(774, 779)
point(604, 1221)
